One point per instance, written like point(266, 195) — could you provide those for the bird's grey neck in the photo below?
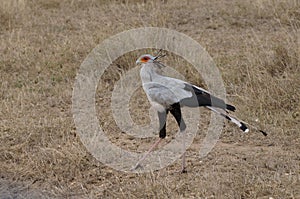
point(149, 72)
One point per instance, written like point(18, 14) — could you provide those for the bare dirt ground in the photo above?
point(255, 44)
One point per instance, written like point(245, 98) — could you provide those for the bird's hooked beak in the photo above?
point(138, 61)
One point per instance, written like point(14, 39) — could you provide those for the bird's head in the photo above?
point(147, 58)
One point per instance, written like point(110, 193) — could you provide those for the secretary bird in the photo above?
point(168, 94)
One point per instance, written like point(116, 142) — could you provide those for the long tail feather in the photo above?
point(236, 121)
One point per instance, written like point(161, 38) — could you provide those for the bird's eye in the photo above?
point(145, 59)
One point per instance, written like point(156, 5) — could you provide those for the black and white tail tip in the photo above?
point(240, 124)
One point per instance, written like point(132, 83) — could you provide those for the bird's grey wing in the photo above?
point(161, 94)
point(193, 96)
point(176, 86)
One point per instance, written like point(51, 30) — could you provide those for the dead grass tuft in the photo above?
point(11, 11)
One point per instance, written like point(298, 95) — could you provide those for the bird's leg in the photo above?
point(183, 169)
point(162, 116)
point(176, 112)
point(147, 153)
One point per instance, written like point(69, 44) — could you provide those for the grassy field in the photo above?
point(255, 44)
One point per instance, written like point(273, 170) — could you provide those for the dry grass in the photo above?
point(255, 44)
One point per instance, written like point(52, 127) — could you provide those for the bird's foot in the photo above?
point(183, 170)
point(136, 167)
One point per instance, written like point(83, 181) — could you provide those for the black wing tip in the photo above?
point(230, 107)
point(263, 132)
